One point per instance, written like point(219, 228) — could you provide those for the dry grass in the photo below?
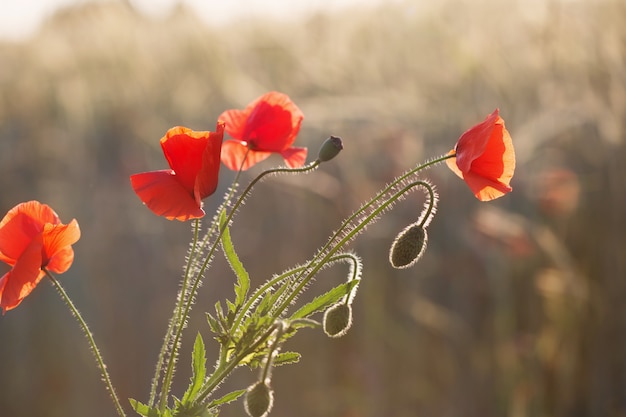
point(517, 308)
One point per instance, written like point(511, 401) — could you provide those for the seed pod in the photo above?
point(259, 400)
point(337, 320)
point(408, 246)
point(330, 149)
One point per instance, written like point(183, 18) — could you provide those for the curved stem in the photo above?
point(431, 204)
point(315, 265)
point(90, 340)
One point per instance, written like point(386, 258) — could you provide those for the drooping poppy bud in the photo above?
point(337, 320)
point(408, 246)
point(330, 149)
point(259, 400)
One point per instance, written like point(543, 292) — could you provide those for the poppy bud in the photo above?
point(337, 320)
point(330, 149)
point(259, 399)
point(408, 246)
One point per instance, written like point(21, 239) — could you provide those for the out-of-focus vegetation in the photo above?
point(517, 308)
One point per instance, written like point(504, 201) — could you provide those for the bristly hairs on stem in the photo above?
point(191, 291)
point(91, 341)
point(359, 220)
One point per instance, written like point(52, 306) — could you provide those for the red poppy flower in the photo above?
point(32, 237)
point(268, 125)
point(194, 159)
point(485, 158)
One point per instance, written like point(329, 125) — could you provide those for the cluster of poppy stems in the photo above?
point(35, 243)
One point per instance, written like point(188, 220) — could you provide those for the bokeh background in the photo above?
point(516, 309)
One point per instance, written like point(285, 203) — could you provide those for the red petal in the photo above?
point(498, 160)
point(162, 193)
point(268, 124)
point(20, 225)
point(472, 143)
point(485, 189)
point(235, 122)
point(184, 150)
point(294, 157)
point(23, 278)
point(235, 156)
point(207, 177)
point(57, 242)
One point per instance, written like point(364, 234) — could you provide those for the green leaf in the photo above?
point(213, 324)
point(286, 358)
point(226, 398)
point(198, 367)
point(243, 279)
point(324, 301)
point(144, 410)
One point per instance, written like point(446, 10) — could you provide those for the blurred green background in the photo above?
point(516, 309)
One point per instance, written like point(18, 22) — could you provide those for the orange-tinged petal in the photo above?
point(208, 175)
point(485, 158)
point(20, 225)
point(485, 189)
point(24, 277)
point(451, 162)
point(294, 157)
point(183, 149)
point(234, 153)
point(162, 193)
point(57, 241)
point(61, 261)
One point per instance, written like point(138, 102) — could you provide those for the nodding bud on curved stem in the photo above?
point(408, 247)
point(259, 399)
point(337, 320)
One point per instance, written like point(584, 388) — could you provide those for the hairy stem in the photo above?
point(92, 343)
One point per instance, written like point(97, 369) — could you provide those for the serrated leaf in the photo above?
point(213, 324)
point(232, 396)
point(243, 279)
point(143, 410)
point(198, 367)
point(286, 358)
point(324, 301)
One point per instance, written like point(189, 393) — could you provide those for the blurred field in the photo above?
point(517, 309)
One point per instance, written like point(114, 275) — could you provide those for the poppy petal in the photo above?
point(235, 155)
point(20, 225)
point(235, 122)
point(274, 123)
point(57, 239)
point(183, 149)
point(23, 278)
point(485, 189)
point(294, 157)
point(473, 142)
point(61, 261)
point(498, 159)
point(268, 124)
point(451, 162)
point(162, 193)
point(208, 175)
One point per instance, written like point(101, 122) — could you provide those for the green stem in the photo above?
point(90, 340)
point(319, 264)
point(166, 348)
point(326, 253)
point(167, 379)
